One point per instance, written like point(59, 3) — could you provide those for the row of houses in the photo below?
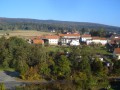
point(88, 39)
point(114, 46)
point(76, 39)
point(73, 39)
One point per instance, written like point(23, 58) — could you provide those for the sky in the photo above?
point(96, 11)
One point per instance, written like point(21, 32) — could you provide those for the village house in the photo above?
point(116, 53)
point(103, 41)
point(97, 40)
point(38, 41)
point(35, 40)
point(114, 40)
point(115, 37)
point(50, 39)
point(74, 43)
point(29, 41)
point(69, 39)
point(85, 37)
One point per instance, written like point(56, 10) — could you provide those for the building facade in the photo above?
point(66, 39)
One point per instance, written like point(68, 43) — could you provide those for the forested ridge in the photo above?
point(47, 25)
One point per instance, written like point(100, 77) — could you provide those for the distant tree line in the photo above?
point(47, 25)
point(58, 28)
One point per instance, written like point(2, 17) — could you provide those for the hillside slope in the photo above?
point(34, 24)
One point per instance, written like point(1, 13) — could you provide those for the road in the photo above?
point(10, 80)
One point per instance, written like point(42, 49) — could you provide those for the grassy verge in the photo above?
point(6, 69)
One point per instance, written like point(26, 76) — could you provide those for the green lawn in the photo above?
point(98, 50)
point(57, 48)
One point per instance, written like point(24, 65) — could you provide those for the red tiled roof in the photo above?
point(50, 37)
point(69, 34)
point(98, 38)
point(86, 35)
point(38, 41)
point(103, 38)
point(117, 50)
point(36, 37)
point(116, 39)
point(112, 42)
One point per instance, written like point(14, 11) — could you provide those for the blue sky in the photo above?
point(96, 11)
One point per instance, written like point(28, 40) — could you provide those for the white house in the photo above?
point(114, 39)
point(103, 41)
point(51, 39)
point(74, 43)
point(89, 41)
point(97, 40)
point(85, 37)
point(66, 39)
point(116, 53)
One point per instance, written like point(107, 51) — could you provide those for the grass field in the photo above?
point(23, 33)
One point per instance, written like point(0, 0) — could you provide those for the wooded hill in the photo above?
point(46, 25)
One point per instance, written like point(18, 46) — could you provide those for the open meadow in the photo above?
point(23, 33)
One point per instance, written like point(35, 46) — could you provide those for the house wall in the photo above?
point(96, 41)
point(71, 36)
point(74, 43)
point(84, 39)
point(53, 41)
point(89, 42)
point(116, 55)
point(66, 41)
point(103, 42)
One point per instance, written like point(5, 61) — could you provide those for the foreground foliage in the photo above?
point(80, 66)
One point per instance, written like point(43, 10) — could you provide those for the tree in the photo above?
point(116, 67)
point(20, 59)
point(44, 69)
point(84, 65)
point(83, 30)
point(22, 66)
point(83, 76)
point(81, 81)
point(97, 67)
point(31, 74)
point(37, 55)
point(5, 55)
point(62, 66)
point(102, 32)
point(94, 32)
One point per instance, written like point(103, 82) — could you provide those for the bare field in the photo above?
point(23, 33)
